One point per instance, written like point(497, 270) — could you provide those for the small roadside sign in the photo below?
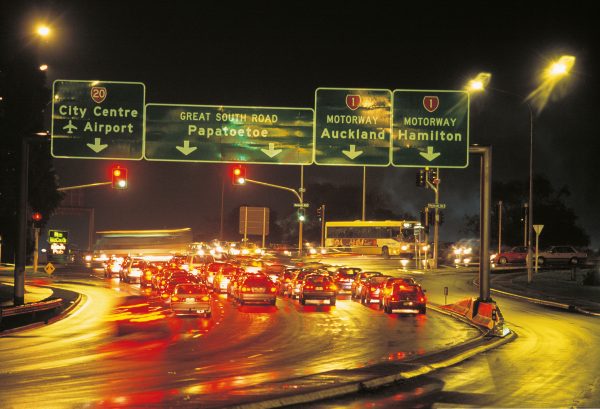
point(538, 228)
point(436, 205)
point(49, 268)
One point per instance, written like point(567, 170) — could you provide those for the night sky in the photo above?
point(277, 54)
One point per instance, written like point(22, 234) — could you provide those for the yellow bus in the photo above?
point(387, 238)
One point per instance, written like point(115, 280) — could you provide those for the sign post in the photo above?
point(352, 127)
point(430, 129)
point(97, 119)
point(538, 230)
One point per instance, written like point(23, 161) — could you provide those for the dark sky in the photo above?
point(278, 53)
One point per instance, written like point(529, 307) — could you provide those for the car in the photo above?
point(358, 282)
point(284, 280)
point(404, 296)
point(132, 269)
point(293, 287)
point(318, 287)
point(561, 254)
point(148, 275)
point(515, 255)
point(172, 282)
point(344, 277)
point(113, 266)
point(256, 288)
point(372, 289)
point(191, 298)
point(222, 278)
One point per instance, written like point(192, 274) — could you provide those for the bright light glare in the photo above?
point(561, 67)
point(479, 83)
point(550, 78)
point(43, 31)
point(44, 67)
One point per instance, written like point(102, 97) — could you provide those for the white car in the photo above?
point(561, 254)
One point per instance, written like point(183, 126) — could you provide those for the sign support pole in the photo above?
point(485, 208)
point(19, 274)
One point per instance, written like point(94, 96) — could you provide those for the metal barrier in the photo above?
point(31, 308)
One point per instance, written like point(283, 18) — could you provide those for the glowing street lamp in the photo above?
point(552, 74)
point(43, 30)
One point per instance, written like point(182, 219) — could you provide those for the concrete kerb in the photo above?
point(457, 354)
point(568, 307)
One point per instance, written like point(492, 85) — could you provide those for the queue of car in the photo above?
point(188, 284)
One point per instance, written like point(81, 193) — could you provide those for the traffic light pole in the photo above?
point(299, 196)
point(436, 220)
point(62, 189)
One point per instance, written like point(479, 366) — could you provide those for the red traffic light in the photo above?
point(238, 175)
point(119, 177)
point(36, 216)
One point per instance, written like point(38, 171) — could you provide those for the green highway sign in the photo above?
point(352, 126)
point(430, 129)
point(206, 133)
point(97, 119)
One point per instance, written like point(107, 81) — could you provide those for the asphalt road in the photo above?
point(96, 357)
point(554, 362)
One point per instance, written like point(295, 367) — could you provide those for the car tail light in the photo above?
point(245, 289)
point(205, 298)
point(174, 298)
point(164, 296)
point(422, 299)
point(333, 287)
point(148, 275)
point(273, 289)
point(287, 280)
point(394, 298)
point(374, 290)
point(309, 287)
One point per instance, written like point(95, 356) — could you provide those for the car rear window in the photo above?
point(318, 279)
point(401, 287)
point(257, 281)
point(378, 279)
point(191, 289)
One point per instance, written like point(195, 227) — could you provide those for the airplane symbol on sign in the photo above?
point(69, 127)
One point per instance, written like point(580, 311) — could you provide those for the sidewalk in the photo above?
point(32, 294)
point(554, 287)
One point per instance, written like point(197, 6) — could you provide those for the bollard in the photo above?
point(445, 295)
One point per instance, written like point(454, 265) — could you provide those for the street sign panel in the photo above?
point(430, 129)
point(352, 127)
point(436, 205)
point(205, 133)
point(97, 119)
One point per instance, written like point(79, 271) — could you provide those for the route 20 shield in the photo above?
point(431, 103)
point(98, 94)
point(353, 101)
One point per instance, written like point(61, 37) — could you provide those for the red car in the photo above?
point(514, 255)
point(404, 296)
point(372, 289)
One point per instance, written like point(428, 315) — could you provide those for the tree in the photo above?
point(24, 99)
point(549, 209)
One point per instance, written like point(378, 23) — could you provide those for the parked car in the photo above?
point(404, 296)
point(514, 255)
point(191, 298)
point(318, 287)
point(561, 254)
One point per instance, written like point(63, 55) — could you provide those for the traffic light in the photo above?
point(440, 217)
point(37, 218)
point(301, 216)
point(238, 174)
point(320, 212)
point(432, 176)
point(119, 177)
point(421, 177)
